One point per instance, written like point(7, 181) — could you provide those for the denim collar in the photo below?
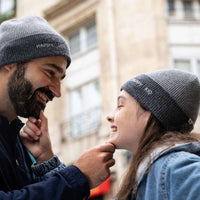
point(192, 147)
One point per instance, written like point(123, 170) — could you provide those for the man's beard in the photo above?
point(22, 96)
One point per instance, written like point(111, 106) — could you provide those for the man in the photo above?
point(33, 61)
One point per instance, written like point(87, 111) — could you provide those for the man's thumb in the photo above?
point(44, 121)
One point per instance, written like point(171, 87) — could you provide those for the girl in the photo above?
point(154, 117)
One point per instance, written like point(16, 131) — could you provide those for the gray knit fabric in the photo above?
point(173, 96)
point(28, 38)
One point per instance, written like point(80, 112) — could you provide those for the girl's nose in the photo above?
point(110, 117)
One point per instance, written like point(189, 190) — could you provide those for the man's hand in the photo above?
point(35, 137)
point(95, 163)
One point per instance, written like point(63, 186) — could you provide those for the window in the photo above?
point(74, 43)
point(91, 35)
point(183, 65)
point(198, 68)
point(7, 9)
point(83, 38)
point(171, 7)
point(183, 9)
point(188, 11)
point(199, 5)
point(85, 110)
point(190, 65)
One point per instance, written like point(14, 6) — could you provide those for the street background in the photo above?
point(111, 41)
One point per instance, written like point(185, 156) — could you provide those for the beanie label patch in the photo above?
point(148, 91)
point(45, 45)
point(139, 84)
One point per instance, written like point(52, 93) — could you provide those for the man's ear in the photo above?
point(10, 67)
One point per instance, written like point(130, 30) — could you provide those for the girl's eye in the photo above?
point(119, 106)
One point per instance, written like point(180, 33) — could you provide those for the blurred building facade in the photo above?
point(112, 41)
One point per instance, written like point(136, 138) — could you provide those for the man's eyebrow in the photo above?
point(57, 68)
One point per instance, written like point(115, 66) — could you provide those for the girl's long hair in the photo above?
point(154, 136)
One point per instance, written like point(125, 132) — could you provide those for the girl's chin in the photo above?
point(113, 134)
point(112, 140)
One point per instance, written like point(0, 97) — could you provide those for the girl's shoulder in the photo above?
point(176, 159)
point(174, 174)
point(179, 157)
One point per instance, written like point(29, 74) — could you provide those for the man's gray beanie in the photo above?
point(28, 38)
point(172, 96)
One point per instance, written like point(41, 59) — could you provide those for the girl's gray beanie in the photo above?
point(172, 96)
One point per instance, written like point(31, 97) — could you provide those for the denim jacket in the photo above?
point(174, 175)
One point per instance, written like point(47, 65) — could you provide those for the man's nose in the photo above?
point(56, 88)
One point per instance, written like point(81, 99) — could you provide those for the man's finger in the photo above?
point(30, 133)
point(111, 162)
point(44, 123)
point(33, 127)
point(25, 136)
point(32, 119)
point(107, 147)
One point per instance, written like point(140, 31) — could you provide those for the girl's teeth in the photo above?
point(114, 129)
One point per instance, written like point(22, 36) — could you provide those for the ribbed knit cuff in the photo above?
point(45, 167)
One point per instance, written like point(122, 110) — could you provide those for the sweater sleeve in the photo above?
point(68, 183)
point(47, 169)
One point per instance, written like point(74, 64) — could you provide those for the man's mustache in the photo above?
point(47, 92)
